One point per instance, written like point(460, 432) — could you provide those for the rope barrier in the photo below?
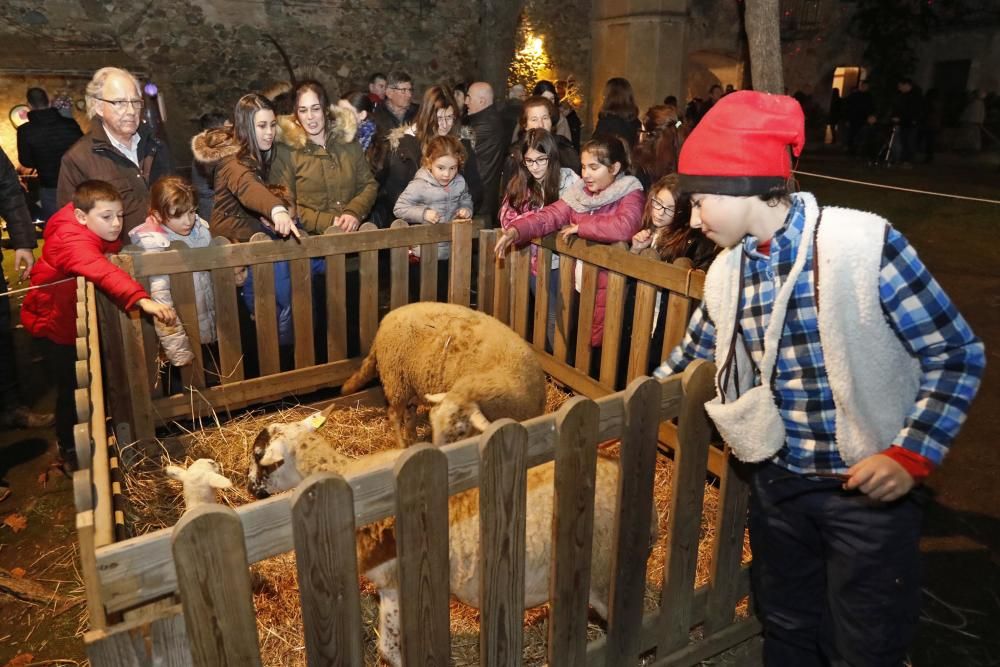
point(894, 187)
point(28, 289)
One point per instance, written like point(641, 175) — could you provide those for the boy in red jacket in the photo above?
point(77, 237)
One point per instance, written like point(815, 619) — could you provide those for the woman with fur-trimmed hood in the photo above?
point(398, 158)
point(238, 159)
point(322, 166)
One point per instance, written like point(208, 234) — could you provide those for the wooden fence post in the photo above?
point(502, 497)
point(635, 512)
point(326, 559)
point(572, 530)
point(421, 474)
point(487, 271)
point(399, 270)
point(460, 264)
point(727, 551)
point(368, 296)
point(213, 579)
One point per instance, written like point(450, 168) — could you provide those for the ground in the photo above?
point(961, 544)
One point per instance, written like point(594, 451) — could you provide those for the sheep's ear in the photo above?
point(434, 398)
point(270, 460)
point(217, 481)
point(478, 419)
point(175, 472)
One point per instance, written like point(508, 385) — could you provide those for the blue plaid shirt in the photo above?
point(921, 314)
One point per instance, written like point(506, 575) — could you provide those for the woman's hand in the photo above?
point(505, 240)
point(569, 231)
point(431, 216)
point(642, 240)
point(347, 221)
point(163, 313)
point(463, 214)
point(284, 225)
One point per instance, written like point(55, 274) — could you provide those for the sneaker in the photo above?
point(22, 417)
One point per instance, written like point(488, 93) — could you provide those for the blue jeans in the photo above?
point(836, 577)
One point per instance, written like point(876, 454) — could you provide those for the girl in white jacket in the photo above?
point(172, 217)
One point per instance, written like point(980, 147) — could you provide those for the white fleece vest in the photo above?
point(874, 379)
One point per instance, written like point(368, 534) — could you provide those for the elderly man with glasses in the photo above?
point(398, 108)
point(118, 148)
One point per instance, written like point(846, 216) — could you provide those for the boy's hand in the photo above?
point(431, 216)
point(463, 214)
point(504, 241)
point(24, 259)
point(284, 225)
point(642, 240)
point(880, 478)
point(347, 222)
point(163, 313)
point(569, 231)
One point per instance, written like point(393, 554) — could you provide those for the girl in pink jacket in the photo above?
point(605, 206)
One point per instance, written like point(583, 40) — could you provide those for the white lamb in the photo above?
point(471, 367)
point(285, 454)
point(200, 480)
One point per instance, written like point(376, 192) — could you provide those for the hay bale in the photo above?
point(156, 503)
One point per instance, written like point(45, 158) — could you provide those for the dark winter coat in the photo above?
point(386, 121)
point(241, 196)
point(94, 157)
point(324, 182)
point(13, 208)
point(43, 140)
point(400, 166)
point(613, 124)
point(491, 142)
point(71, 249)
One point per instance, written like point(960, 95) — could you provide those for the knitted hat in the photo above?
point(740, 147)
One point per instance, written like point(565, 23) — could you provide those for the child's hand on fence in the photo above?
point(431, 216)
point(285, 225)
point(162, 312)
point(504, 241)
point(880, 478)
point(347, 222)
point(642, 240)
point(569, 231)
point(463, 214)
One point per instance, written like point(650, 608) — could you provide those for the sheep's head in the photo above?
point(200, 480)
point(273, 468)
point(453, 419)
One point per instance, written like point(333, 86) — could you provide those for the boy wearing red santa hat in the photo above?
point(843, 374)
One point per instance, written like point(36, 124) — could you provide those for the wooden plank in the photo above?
point(127, 644)
point(520, 270)
point(169, 640)
point(186, 305)
point(642, 330)
point(614, 314)
point(258, 390)
point(82, 369)
point(134, 367)
point(564, 307)
point(302, 312)
point(487, 270)
point(242, 254)
point(572, 530)
point(429, 272)
point(501, 289)
point(686, 499)
point(83, 491)
point(213, 578)
point(542, 277)
point(368, 298)
point(326, 560)
point(399, 272)
point(83, 445)
point(336, 303)
point(142, 569)
point(632, 539)
point(421, 474)
point(227, 321)
point(265, 315)
point(697, 652)
point(665, 276)
point(572, 378)
point(103, 504)
point(502, 514)
point(88, 565)
point(727, 549)
point(460, 263)
point(678, 313)
point(585, 318)
point(151, 342)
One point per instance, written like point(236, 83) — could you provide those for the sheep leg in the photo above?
point(396, 418)
point(410, 424)
point(388, 627)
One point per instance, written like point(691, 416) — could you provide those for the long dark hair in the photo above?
point(619, 99)
point(677, 239)
point(435, 99)
point(245, 133)
point(523, 191)
point(656, 155)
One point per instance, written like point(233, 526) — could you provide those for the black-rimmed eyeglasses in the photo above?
point(540, 162)
point(660, 207)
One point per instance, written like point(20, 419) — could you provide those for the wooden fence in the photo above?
point(134, 585)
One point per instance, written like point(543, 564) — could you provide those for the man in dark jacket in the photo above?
point(397, 107)
point(907, 114)
point(491, 145)
point(13, 413)
point(41, 143)
point(118, 148)
point(859, 106)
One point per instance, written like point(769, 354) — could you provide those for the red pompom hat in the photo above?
point(740, 147)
